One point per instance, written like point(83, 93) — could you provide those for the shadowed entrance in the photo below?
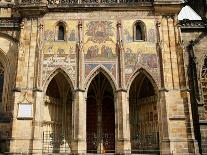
point(100, 116)
point(57, 125)
point(143, 116)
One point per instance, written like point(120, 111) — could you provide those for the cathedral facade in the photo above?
point(94, 76)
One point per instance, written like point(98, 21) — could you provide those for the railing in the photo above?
point(69, 2)
point(9, 23)
point(94, 140)
point(55, 142)
point(192, 23)
point(148, 143)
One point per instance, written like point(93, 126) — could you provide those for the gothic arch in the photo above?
point(107, 74)
point(6, 36)
point(6, 86)
point(143, 101)
point(53, 74)
point(202, 65)
point(147, 74)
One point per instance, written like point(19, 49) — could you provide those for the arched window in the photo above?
point(139, 31)
point(1, 85)
point(204, 69)
point(61, 32)
point(204, 81)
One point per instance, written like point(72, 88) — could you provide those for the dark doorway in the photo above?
point(57, 125)
point(143, 116)
point(100, 116)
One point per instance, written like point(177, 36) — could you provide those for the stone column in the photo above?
point(123, 145)
point(173, 98)
point(79, 131)
point(38, 94)
point(79, 110)
point(162, 109)
point(23, 129)
point(37, 122)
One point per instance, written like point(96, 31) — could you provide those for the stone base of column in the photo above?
point(123, 147)
point(37, 146)
point(193, 146)
point(78, 153)
point(165, 147)
point(181, 146)
point(79, 147)
point(18, 146)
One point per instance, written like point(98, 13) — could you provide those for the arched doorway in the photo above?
point(143, 116)
point(1, 85)
point(57, 126)
point(100, 116)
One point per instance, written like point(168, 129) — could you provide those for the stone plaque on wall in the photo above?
point(25, 111)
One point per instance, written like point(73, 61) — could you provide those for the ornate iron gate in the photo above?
point(106, 140)
point(55, 143)
point(146, 144)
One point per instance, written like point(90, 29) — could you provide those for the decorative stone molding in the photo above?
point(189, 24)
point(9, 23)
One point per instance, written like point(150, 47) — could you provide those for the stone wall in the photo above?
point(195, 42)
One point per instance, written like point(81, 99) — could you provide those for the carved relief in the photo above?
point(203, 116)
point(99, 31)
point(49, 36)
point(72, 36)
point(151, 35)
point(62, 59)
point(105, 53)
point(111, 66)
point(128, 36)
point(133, 61)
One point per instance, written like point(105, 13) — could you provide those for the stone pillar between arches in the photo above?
point(79, 124)
point(123, 145)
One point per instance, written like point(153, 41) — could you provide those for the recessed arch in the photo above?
point(139, 31)
point(60, 31)
point(6, 81)
point(203, 65)
point(147, 74)
point(53, 74)
point(58, 117)
point(203, 79)
point(100, 109)
point(143, 113)
point(107, 74)
point(6, 36)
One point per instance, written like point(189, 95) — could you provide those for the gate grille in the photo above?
point(145, 144)
point(55, 143)
point(94, 140)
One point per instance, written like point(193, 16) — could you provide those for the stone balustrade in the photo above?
point(9, 23)
point(69, 2)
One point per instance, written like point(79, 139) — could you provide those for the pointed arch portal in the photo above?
point(100, 122)
point(57, 126)
point(143, 116)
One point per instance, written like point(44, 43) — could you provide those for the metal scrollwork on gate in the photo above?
point(148, 143)
point(94, 140)
point(55, 143)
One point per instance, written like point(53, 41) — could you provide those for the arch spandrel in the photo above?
point(107, 74)
point(53, 74)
